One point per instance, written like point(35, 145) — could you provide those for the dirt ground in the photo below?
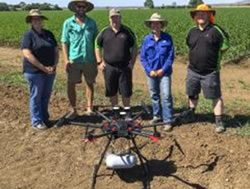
point(58, 159)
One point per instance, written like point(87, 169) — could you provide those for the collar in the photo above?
point(34, 31)
point(207, 27)
point(151, 36)
point(121, 28)
point(73, 18)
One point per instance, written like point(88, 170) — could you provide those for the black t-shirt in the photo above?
point(42, 45)
point(204, 49)
point(116, 46)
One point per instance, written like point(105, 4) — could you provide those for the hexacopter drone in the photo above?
point(121, 123)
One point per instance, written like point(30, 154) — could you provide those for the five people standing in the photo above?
point(114, 50)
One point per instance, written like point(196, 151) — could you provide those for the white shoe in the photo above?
point(167, 127)
point(40, 126)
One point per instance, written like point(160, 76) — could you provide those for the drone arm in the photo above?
point(151, 135)
point(91, 137)
point(154, 125)
point(103, 116)
point(92, 125)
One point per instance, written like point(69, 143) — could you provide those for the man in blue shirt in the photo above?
point(157, 56)
point(78, 36)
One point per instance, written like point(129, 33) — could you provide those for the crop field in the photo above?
point(234, 20)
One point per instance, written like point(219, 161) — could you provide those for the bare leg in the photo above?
point(90, 96)
point(71, 90)
point(126, 101)
point(218, 106)
point(114, 100)
point(192, 103)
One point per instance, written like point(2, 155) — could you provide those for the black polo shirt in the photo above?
point(42, 45)
point(116, 46)
point(204, 49)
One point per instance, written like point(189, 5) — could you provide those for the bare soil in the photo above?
point(58, 159)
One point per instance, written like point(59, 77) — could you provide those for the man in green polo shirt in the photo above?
point(78, 35)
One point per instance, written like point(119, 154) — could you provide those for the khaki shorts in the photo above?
point(77, 70)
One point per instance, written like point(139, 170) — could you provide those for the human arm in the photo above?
point(143, 57)
point(98, 51)
point(169, 59)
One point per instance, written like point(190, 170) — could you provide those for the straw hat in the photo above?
point(202, 8)
point(72, 5)
point(114, 12)
point(156, 17)
point(34, 13)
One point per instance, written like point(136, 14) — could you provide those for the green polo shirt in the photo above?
point(80, 39)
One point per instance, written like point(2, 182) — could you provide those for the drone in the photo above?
point(121, 123)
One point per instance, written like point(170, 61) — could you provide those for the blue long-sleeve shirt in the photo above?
point(157, 55)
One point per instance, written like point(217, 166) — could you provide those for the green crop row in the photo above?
point(234, 20)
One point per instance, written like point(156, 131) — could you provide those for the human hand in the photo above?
point(131, 65)
point(67, 66)
point(102, 66)
point(153, 73)
point(49, 69)
point(160, 73)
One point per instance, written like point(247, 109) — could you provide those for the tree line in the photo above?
point(192, 3)
point(24, 6)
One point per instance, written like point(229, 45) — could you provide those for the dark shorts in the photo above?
point(210, 84)
point(77, 71)
point(118, 79)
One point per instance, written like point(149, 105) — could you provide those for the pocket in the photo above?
point(164, 48)
point(150, 51)
point(213, 80)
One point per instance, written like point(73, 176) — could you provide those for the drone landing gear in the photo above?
point(142, 159)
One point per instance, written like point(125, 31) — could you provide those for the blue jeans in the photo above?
point(161, 97)
point(40, 87)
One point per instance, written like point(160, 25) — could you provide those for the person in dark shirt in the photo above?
point(40, 52)
point(116, 55)
point(206, 43)
point(157, 57)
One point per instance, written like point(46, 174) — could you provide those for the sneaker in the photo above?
point(40, 126)
point(219, 127)
point(72, 115)
point(187, 116)
point(155, 120)
point(167, 127)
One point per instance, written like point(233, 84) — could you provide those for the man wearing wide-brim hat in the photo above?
point(157, 57)
point(78, 35)
point(206, 43)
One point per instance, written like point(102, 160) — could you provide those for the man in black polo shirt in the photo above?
point(116, 55)
point(206, 43)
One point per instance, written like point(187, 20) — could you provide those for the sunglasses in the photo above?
point(81, 6)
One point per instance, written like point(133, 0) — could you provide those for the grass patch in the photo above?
point(13, 78)
point(244, 129)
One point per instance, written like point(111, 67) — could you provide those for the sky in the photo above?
point(114, 3)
